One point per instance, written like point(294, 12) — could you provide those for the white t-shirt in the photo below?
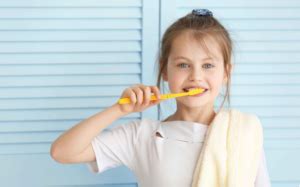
point(157, 161)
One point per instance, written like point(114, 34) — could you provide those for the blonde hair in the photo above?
point(200, 27)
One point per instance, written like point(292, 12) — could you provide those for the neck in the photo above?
point(199, 115)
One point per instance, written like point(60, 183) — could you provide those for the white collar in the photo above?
point(187, 131)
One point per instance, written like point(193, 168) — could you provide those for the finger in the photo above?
point(146, 91)
point(132, 96)
point(139, 94)
point(155, 102)
point(147, 95)
point(156, 91)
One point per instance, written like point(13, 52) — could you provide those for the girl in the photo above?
point(195, 146)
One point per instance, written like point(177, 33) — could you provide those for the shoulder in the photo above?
point(246, 116)
point(240, 120)
point(249, 121)
point(139, 127)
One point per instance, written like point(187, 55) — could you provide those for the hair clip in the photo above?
point(202, 12)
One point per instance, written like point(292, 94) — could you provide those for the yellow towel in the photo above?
point(231, 151)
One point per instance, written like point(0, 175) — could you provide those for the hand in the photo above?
point(139, 98)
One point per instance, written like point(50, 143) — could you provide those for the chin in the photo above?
point(193, 104)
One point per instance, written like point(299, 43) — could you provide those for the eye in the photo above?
point(182, 65)
point(208, 65)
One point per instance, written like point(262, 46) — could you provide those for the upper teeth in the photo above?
point(188, 89)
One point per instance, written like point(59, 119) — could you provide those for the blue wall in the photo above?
point(61, 61)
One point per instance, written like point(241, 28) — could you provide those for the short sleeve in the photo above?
point(114, 147)
point(262, 178)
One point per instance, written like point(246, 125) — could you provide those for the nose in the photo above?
point(196, 75)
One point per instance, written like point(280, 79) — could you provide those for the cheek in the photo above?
point(175, 80)
point(216, 83)
point(175, 75)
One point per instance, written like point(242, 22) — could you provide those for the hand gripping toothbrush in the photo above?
point(195, 91)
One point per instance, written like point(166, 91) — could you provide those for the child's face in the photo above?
point(190, 65)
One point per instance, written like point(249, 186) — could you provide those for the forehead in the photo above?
point(186, 44)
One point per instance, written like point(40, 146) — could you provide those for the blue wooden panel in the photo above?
point(39, 170)
point(67, 79)
point(265, 35)
point(70, 12)
point(260, 24)
point(51, 114)
point(60, 91)
point(268, 57)
point(151, 12)
point(101, 185)
point(48, 47)
point(57, 103)
point(70, 58)
point(90, 69)
point(266, 74)
point(277, 122)
point(262, 46)
point(245, 12)
point(263, 68)
point(280, 160)
point(61, 62)
point(271, 90)
point(269, 80)
point(265, 101)
point(49, 125)
point(70, 24)
point(236, 3)
point(72, 3)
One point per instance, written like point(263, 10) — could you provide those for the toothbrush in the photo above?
point(195, 91)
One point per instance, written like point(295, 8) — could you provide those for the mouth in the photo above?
point(188, 89)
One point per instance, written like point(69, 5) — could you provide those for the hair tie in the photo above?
point(202, 12)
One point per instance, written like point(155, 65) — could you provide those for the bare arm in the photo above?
point(75, 144)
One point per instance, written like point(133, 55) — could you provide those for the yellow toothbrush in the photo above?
point(195, 91)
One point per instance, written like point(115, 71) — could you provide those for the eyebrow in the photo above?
point(182, 57)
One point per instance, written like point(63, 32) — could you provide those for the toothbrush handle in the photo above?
point(127, 100)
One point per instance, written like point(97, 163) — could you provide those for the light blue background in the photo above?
point(62, 61)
